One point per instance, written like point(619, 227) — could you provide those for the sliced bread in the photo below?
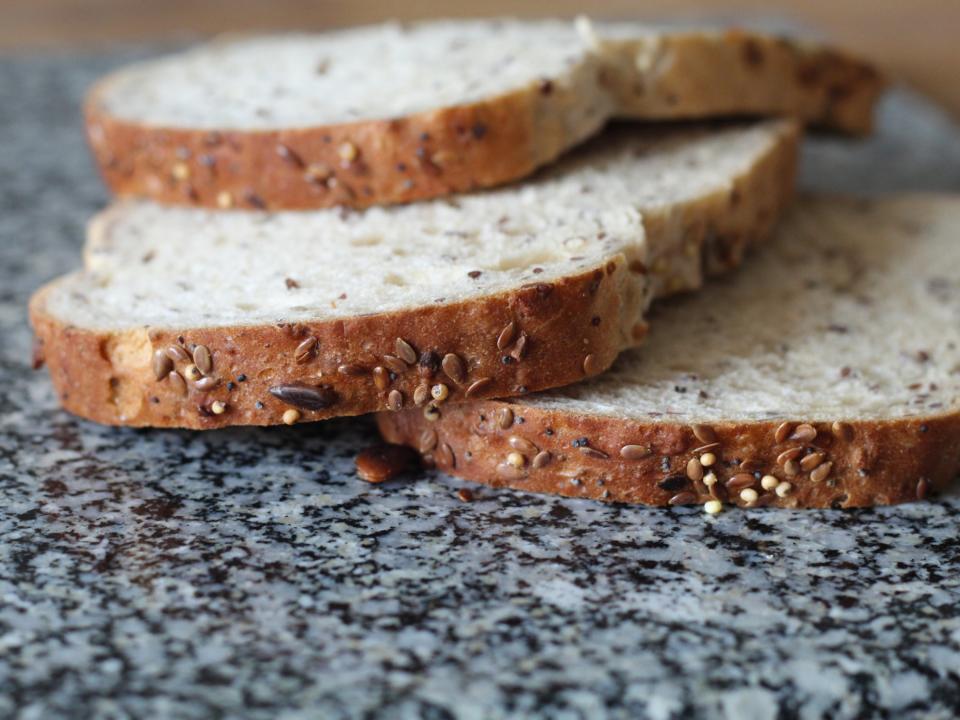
point(195, 318)
point(390, 114)
point(825, 374)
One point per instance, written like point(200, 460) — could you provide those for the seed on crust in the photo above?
point(519, 351)
point(783, 489)
point(811, 461)
point(384, 462)
point(505, 418)
point(541, 459)
point(673, 483)
point(177, 353)
point(381, 378)
point(709, 447)
point(177, 382)
point(224, 200)
point(710, 479)
point(509, 472)
point(751, 465)
point(431, 413)
point(740, 481)
point(394, 364)
point(421, 394)
point(842, 431)
point(445, 455)
point(749, 495)
point(783, 432)
point(405, 351)
point(804, 433)
point(506, 335)
point(517, 460)
point(787, 455)
point(439, 393)
point(704, 433)
point(708, 459)
point(351, 370)
point(348, 152)
point(923, 488)
point(395, 400)
point(478, 386)
point(694, 469)
point(291, 416)
point(429, 364)
point(635, 452)
point(593, 452)
point(712, 507)
point(218, 407)
point(791, 468)
point(305, 397)
point(821, 472)
point(591, 364)
point(191, 372)
point(162, 364)
point(769, 482)
point(428, 440)
point(684, 498)
point(206, 383)
point(453, 367)
point(305, 350)
point(203, 359)
point(522, 444)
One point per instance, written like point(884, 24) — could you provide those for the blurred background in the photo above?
point(913, 40)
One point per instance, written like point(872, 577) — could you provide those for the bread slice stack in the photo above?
point(435, 222)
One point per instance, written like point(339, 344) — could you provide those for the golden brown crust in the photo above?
point(108, 376)
point(696, 75)
point(863, 463)
point(472, 146)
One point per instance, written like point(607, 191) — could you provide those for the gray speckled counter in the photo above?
point(250, 573)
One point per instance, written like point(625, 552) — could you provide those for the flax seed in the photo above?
point(783, 432)
point(405, 351)
point(684, 498)
point(704, 433)
point(635, 452)
point(522, 444)
point(177, 354)
point(305, 350)
point(821, 472)
point(506, 335)
point(804, 433)
point(421, 394)
point(203, 359)
point(787, 455)
point(478, 386)
point(740, 481)
point(351, 370)
point(542, 459)
point(162, 365)
point(694, 469)
point(811, 461)
point(592, 452)
point(381, 378)
point(177, 383)
point(791, 468)
point(395, 400)
point(395, 364)
point(453, 367)
point(206, 383)
point(505, 418)
point(428, 440)
point(591, 365)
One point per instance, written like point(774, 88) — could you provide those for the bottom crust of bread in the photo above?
point(815, 463)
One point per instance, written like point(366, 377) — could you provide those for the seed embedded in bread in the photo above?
point(162, 365)
point(305, 351)
point(203, 359)
point(395, 400)
point(633, 453)
point(505, 418)
point(206, 383)
point(405, 351)
point(395, 364)
point(453, 367)
point(522, 445)
point(821, 472)
point(542, 459)
point(218, 407)
point(478, 386)
point(291, 416)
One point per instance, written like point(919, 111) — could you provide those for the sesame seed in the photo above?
point(439, 393)
point(635, 452)
point(769, 482)
point(291, 416)
point(506, 335)
point(218, 407)
point(708, 459)
point(305, 350)
point(749, 495)
point(712, 507)
point(395, 400)
point(162, 364)
point(421, 394)
point(783, 432)
point(542, 459)
point(704, 433)
point(405, 351)
point(783, 489)
point(821, 472)
point(522, 444)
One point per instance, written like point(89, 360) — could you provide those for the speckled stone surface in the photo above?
point(249, 573)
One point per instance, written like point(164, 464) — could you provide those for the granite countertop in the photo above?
point(249, 572)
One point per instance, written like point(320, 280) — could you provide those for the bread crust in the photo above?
point(882, 463)
point(108, 377)
point(477, 145)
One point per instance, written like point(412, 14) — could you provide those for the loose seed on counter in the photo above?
point(712, 507)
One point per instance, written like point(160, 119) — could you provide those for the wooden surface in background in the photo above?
point(913, 40)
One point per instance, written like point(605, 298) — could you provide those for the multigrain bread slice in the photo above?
point(195, 318)
point(825, 374)
point(391, 114)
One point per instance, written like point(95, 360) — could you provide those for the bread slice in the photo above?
point(825, 374)
point(340, 312)
point(391, 114)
